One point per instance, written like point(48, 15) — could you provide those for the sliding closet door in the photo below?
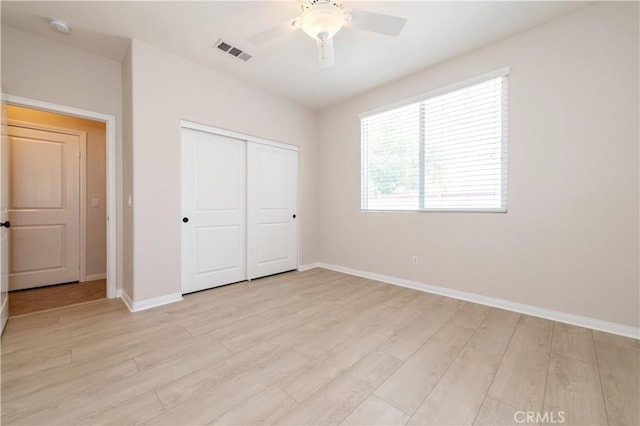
point(272, 204)
point(214, 210)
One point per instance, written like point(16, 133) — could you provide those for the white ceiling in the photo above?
point(435, 31)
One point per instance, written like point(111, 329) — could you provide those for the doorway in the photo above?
point(57, 206)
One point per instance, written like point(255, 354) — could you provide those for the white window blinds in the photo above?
point(446, 152)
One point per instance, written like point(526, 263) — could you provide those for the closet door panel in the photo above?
point(272, 203)
point(214, 210)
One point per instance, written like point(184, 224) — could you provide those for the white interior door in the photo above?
point(44, 207)
point(214, 210)
point(272, 204)
point(4, 218)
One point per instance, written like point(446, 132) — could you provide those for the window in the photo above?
point(444, 151)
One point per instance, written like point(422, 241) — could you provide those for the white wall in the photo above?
point(166, 89)
point(37, 68)
point(570, 239)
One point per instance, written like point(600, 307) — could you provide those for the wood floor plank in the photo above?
point(51, 400)
point(368, 329)
point(535, 322)
point(612, 339)
point(338, 325)
point(147, 359)
point(497, 413)
point(113, 341)
point(94, 312)
point(412, 382)
point(335, 401)
point(202, 380)
point(134, 411)
point(521, 377)
point(408, 386)
point(406, 341)
point(573, 388)
point(320, 342)
point(262, 409)
point(495, 332)
point(76, 403)
point(18, 365)
point(573, 384)
point(304, 382)
point(459, 394)
point(35, 340)
point(305, 310)
point(262, 332)
point(457, 397)
point(417, 305)
point(574, 342)
point(229, 394)
point(118, 322)
point(374, 411)
point(35, 321)
point(220, 303)
point(620, 374)
point(33, 378)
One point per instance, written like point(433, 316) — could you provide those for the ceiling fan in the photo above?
point(322, 19)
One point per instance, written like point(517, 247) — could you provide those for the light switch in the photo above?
point(95, 203)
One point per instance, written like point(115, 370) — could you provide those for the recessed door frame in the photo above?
point(82, 185)
point(110, 122)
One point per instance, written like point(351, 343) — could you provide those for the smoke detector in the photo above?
point(59, 25)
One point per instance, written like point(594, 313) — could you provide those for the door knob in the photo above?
point(185, 219)
point(294, 216)
point(6, 224)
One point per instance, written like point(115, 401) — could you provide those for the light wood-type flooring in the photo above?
point(55, 296)
point(315, 347)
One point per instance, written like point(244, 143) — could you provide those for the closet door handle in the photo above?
point(294, 216)
point(185, 219)
point(6, 224)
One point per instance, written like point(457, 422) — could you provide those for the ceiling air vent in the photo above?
point(233, 51)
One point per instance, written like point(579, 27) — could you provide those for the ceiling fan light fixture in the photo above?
point(322, 20)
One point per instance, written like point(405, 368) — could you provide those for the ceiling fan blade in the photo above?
point(375, 22)
point(325, 53)
point(273, 33)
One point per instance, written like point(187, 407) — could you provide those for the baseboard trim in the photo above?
point(154, 302)
point(580, 321)
point(308, 266)
point(4, 314)
point(118, 294)
point(95, 277)
point(126, 300)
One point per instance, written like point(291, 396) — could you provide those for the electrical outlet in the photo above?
point(414, 261)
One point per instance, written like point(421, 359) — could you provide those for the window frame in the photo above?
point(364, 192)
